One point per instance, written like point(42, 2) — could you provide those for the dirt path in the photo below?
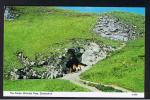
point(75, 77)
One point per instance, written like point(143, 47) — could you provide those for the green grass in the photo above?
point(124, 68)
point(42, 85)
point(107, 89)
point(104, 88)
point(38, 29)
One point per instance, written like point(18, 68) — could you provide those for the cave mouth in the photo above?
point(74, 62)
point(70, 62)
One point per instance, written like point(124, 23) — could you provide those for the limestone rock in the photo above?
point(92, 52)
point(59, 65)
point(113, 28)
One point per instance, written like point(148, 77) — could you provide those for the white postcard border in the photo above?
point(73, 94)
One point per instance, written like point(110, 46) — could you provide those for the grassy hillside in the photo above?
point(124, 68)
point(43, 85)
point(38, 29)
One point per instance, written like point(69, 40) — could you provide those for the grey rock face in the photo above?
point(113, 28)
point(93, 53)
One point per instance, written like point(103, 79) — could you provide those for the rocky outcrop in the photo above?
point(24, 73)
point(92, 52)
point(10, 13)
point(58, 66)
point(113, 28)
